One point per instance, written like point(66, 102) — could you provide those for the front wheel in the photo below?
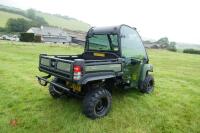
point(147, 86)
point(97, 103)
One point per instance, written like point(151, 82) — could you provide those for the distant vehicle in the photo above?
point(12, 38)
point(114, 57)
point(5, 37)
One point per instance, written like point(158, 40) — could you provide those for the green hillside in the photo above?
point(53, 20)
point(70, 23)
point(6, 15)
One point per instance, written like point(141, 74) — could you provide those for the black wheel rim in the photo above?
point(101, 106)
point(149, 86)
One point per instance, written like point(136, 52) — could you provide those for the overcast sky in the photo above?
point(177, 19)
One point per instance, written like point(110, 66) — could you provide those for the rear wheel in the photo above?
point(97, 103)
point(147, 86)
point(55, 91)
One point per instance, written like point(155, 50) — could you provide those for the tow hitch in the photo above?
point(43, 80)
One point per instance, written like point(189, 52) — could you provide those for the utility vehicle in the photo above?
point(114, 57)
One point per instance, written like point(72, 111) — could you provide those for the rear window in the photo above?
point(103, 42)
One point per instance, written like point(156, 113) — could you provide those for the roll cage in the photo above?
point(112, 30)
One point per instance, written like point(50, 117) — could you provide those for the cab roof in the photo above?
point(106, 30)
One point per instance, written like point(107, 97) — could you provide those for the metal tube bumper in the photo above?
point(44, 79)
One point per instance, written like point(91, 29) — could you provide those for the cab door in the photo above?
point(133, 54)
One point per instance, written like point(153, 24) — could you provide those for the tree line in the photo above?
point(171, 46)
point(21, 24)
point(166, 44)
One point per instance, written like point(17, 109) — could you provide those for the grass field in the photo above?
point(25, 106)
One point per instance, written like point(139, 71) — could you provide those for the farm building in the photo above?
point(78, 37)
point(51, 34)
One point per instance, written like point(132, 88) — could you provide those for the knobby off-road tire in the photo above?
point(53, 90)
point(97, 103)
point(147, 86)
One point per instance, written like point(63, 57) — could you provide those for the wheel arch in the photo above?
point(145, 70)
point(96, 77)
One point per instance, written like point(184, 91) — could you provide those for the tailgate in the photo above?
point(56, 66)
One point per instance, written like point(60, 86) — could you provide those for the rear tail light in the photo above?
point(77, 72)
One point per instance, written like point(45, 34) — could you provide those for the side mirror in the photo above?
point(145, 60)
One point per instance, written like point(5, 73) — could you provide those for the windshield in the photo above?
point(103, 42)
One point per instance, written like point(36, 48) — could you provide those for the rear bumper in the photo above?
point(43, 81)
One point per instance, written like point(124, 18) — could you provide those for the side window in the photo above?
point(131, 44)
point(114, 42)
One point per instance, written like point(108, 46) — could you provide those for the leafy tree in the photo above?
point(164, 42)
point(18, 25)
point(172, 46)
point(22, 25)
